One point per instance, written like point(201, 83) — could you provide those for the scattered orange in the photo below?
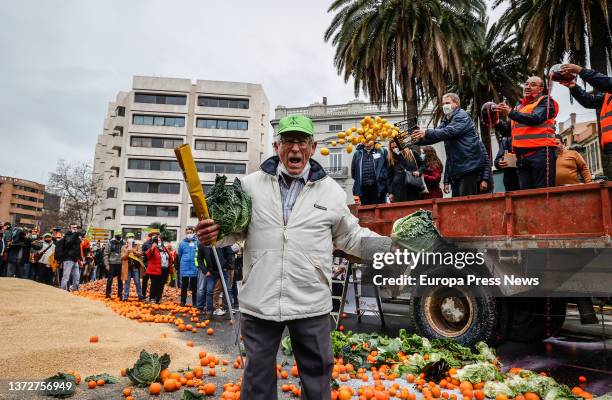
point(155, 388)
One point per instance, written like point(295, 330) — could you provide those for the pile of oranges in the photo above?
point(372, 130)
point(165, 313)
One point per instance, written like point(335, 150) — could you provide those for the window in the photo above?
point(27, 189)
point(220, 168)
point(152, 187)
point(25, 207)
point(235, 124)
point(335, 159)
point(153, 165)
point(111, 193)
point(155, 142)
point(222, 102)
point(142, 210)
point(160, 99)
point(120, 111)
point(158, 120)
point(221, 145)
point(27, 198)
point(335, 128)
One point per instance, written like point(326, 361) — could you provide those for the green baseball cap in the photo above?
point(47, 235)
point(296, 123)
point(129, 235)
point(117, 232)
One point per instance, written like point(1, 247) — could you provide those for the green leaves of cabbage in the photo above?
point(229, 206)
point(147, 368)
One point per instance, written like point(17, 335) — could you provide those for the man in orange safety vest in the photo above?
point(601, 101)
point(533, 135)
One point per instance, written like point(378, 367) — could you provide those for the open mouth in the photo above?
point(295, 161)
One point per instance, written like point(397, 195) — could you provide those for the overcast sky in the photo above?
point(64, 60)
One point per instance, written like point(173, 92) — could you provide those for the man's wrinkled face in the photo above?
point(533, 87)
point(294, 150)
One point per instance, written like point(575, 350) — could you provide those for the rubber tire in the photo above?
point(484, 323)
point(527, 322)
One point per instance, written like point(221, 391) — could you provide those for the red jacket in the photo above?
point(154, 261)
point(432, 181)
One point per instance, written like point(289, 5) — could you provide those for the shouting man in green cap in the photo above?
point(299, 217)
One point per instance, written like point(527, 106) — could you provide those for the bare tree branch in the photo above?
point(79, 189)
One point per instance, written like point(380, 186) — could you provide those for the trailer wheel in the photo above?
point(531, 319)
point(468, 315)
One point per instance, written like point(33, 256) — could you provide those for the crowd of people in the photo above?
point(68, 259)
point(531, 155)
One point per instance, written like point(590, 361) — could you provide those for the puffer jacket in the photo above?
point(187, 254)
point(287, 268)
point(154, 264)
point(461, 142)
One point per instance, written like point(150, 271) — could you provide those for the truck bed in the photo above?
point(577, 216)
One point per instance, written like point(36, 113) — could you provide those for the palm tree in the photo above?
point(164, 233)
point(550, 29)
point(401, 49)
point(491, 71)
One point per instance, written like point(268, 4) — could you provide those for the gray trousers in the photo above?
point(311, 343)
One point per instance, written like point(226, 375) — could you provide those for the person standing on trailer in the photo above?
point(533, 135)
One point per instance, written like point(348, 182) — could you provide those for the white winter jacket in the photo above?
point(287, 268)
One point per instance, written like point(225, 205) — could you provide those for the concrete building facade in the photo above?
point(331, 119)
point(226, 124)
point(21, 201)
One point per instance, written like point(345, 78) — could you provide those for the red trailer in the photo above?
point(511, 226)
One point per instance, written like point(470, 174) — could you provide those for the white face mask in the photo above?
point(189, 236)
point(447, 109)
point(130, 241)
point(396, 151)
point(304, 172)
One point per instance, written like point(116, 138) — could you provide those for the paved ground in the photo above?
point(577, 350)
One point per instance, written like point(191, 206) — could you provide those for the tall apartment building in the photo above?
point(21, 201)
point(330, 119)
point(226, 124)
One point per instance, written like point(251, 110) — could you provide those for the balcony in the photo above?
point(337, 172)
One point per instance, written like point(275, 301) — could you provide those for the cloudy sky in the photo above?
point(64, 60)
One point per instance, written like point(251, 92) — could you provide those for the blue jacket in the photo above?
point(187, 254)
point(464, 150)
point(380, 169)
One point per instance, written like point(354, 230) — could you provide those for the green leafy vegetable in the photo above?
point(229, 206)
point(58, 385)
point(562, 392)
point(417, 224)
point(147, 368)
point(106, 377)
point(529, 381)
point(286, 346)
point(492, 389)
point(479, 372)
point(189, 395)
point(416, 232)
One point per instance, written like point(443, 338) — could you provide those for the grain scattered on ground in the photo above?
point(46, 330)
